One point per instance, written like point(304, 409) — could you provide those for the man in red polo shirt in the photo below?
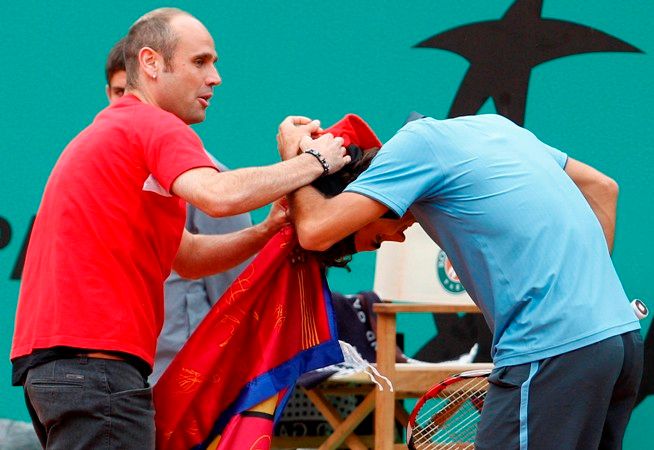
point(111, 226)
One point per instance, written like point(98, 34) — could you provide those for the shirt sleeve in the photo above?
point(172, 149)
point(403, 172)
point(560, 157)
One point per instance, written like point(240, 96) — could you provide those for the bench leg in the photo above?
point(342, 428)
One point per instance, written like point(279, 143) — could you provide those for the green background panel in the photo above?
point(324, 59)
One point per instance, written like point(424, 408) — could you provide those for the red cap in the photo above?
point(354, 130)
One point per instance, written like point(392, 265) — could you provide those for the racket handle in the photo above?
point(640, 309)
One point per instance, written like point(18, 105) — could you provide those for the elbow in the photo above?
point(615, 187)
point(311, 238)
point(183, 265)
point(216, 210)
point(610, 187)
point(222, 199)
point(313, 245)
point(187, 271)
point(223, 206)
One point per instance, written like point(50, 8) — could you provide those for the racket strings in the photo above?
point(458, 426)
point(459, 395)
point(462, 432)
point(469, 390)
point(459, 436)
point(462, 435)
point(453, 402)
point(464, 404)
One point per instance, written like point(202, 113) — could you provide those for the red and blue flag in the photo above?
point(232, 377)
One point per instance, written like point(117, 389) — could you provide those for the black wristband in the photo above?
point(323, 162)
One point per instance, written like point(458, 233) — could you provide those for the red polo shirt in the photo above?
point(106, 234)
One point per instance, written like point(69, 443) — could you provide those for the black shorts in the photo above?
point(578, 400)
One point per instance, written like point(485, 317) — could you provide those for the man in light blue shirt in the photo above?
point(528, 231)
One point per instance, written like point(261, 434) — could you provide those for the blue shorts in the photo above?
point(578, 400)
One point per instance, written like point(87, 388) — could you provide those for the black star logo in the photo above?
point(503, 52)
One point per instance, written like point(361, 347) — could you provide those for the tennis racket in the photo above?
point(446, 417)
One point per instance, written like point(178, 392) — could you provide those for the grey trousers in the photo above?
point(575, 401)
point(87, 403)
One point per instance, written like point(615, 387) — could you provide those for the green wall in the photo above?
point(323, 60)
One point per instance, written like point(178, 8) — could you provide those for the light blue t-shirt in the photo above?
point(522, 238)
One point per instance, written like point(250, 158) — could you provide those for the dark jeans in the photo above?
point(87, 403)
point(580, 400)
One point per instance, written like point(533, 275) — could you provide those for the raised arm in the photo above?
point(321, 222)
point(241, 190)
point(200, 255)
point(601, 193)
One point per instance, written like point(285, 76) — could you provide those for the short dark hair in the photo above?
point(151, 30)
point(115, 60)
point(340, 254)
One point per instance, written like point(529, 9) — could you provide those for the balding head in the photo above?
point(152, 30)
point(170, 59)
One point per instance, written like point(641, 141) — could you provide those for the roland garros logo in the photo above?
point(446, 274)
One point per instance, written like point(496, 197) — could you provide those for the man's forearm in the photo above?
point(242, 190)
point(202, 254)
point(311, 214)
point(321, 222)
